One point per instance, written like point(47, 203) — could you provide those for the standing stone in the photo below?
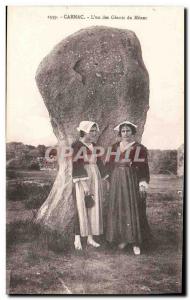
point(96, 74)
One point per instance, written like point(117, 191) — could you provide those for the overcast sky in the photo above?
point(31, 36)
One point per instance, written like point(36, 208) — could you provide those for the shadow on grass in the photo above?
point(24, 232)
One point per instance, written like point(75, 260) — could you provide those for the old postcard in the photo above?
point(95, 150)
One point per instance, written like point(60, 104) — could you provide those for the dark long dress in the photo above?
point(126, 220)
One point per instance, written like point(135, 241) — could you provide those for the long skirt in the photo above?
point(126, 211)
point(90, 219)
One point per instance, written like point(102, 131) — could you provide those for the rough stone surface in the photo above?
point(96, 74)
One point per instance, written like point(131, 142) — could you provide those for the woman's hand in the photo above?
point(85, 187)
point(143, 187)
point(87, 192)
point(142, 190)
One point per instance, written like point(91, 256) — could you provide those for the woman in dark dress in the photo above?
point(128, 167)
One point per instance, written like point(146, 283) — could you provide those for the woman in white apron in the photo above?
point(87, 172)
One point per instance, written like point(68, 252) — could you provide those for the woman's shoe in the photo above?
point(92, 243)
point(136, 250)
point(77, 243)
point(122, 246)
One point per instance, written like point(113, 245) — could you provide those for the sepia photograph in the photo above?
point(95, 150)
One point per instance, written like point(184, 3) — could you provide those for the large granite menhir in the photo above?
point(94, 74)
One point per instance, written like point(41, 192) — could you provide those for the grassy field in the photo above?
point(38, 264)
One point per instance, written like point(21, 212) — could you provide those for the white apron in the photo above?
point(90, 219)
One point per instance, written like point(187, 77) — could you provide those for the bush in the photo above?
point(11, 174)
point(34, 166)
point(163, 161)
point(16, 191)
point(33, 194)
point(37, 196)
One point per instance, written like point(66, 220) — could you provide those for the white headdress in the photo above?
point(125, 122)
point(86, 126)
